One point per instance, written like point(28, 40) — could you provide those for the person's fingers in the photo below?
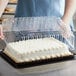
point(1, 33)
point(65, 29)
point(67, 33)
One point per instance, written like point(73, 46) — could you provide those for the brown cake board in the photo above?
point(35, 63)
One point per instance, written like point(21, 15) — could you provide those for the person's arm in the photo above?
point(70, 7)
point(3, 4)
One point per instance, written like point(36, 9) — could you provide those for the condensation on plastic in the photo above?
point(23, 28)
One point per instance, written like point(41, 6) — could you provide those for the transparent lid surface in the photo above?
point(23, 28)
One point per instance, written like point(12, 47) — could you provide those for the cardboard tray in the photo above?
point(34, 63)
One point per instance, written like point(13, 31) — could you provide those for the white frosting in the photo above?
point(34, 49)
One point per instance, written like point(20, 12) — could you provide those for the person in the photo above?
point(60, 8)
point(3, 4)
point(64, 9)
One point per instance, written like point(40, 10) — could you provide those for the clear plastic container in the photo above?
point(16, 29)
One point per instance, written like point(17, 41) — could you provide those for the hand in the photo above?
point(1, 33)
point(65, 29)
